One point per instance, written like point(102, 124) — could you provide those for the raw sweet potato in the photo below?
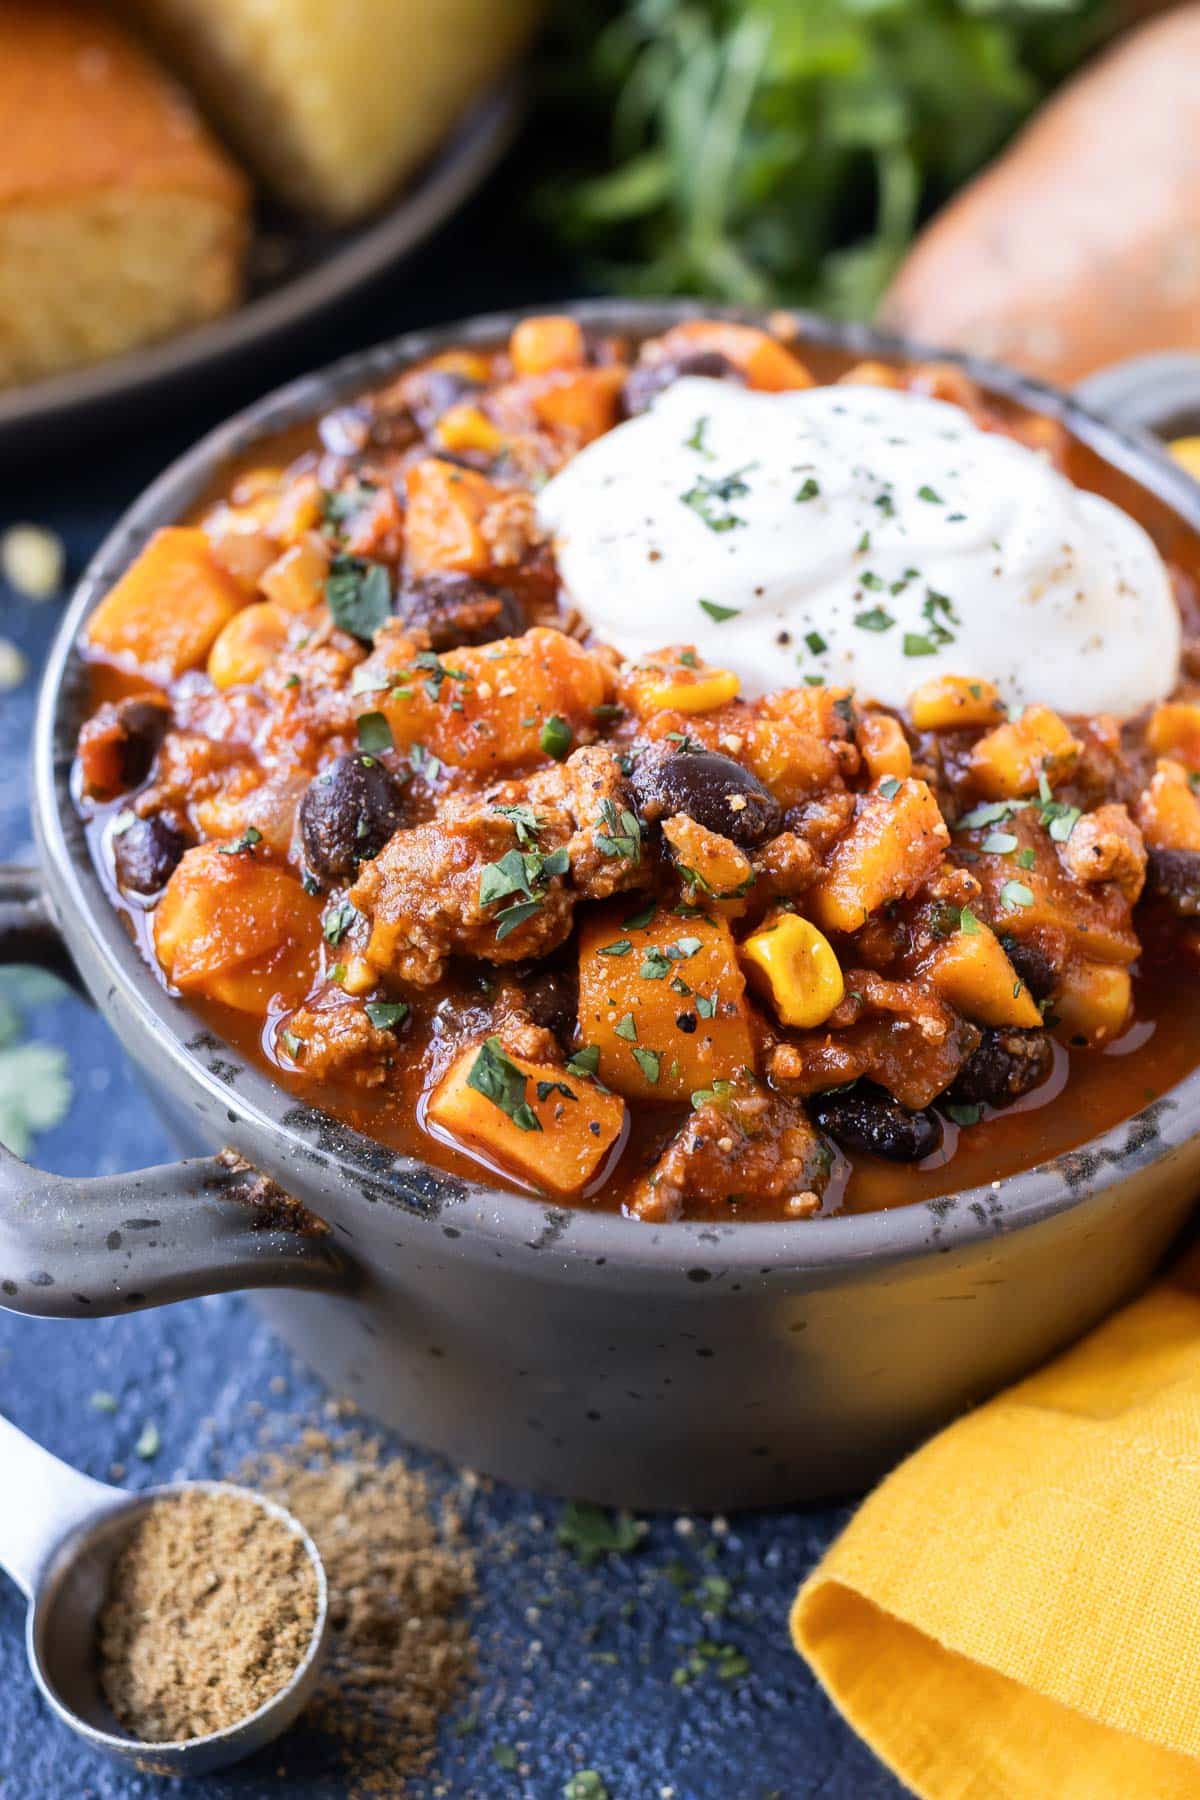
point(1075, 249)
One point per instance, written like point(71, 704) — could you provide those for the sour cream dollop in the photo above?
point(868, 537)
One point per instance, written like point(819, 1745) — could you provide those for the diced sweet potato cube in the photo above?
point(668, 1014)
point(488, 710)
point(165, 612)
point(1009, 761)
point(249, 643)
point(763, 360)
point(1174, 730)
point(580, 401)
point(895, 842)
point(1168, 811)
point(234, 929)
point(552, 341)
point(296, 580)
point(446, 505)
point(550, 1128)
point(884, 746)
point(972, 972)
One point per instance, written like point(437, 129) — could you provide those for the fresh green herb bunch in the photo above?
point(786, 150)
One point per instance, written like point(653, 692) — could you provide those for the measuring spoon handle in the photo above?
point(41, 1500)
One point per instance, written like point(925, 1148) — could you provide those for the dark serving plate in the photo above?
point(296, 271)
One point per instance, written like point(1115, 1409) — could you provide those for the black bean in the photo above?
point(1007, 1064)
point(348, 813)
point(1175, 874)
point(143, 720)
point(145, 853)
point(1036, 969)
point(455, 610)
point(552, 1001)
point(866, 1119)
point(434, 392)
point(646, 380)
point(712, 789)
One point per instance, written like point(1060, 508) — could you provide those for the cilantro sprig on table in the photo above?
point(760, 151)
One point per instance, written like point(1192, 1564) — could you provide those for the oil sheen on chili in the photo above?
point(695, 776)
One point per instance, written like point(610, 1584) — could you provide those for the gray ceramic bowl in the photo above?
point(680, 1365)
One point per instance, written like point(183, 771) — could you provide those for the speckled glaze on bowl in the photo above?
point(684, 1365)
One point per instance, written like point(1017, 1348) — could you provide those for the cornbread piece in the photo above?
point(121, 221)
point(334, 104)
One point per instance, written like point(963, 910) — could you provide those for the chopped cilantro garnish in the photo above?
point(626, 1028)
point(621, 947)
point(916, 645)
point(592, 1533)
point(649, 1062)
point(1015, 893)
point(967, 922)
point(622, 834)
point(374, 733)
point(876, 618)
point(358, 595)
point(337, 921)
point(889, 787)
point(719, 613)
point(546, 1088)
point(964, 1115)
point(710, 492)
point(244, 845)
point(524, 820)
point(928, 493)
point(999, 843)
point(815, 642)
point(585, 1061)
point(556, 737)
point(500, 1081)
point(809, 489)
point(386, 1014)
point(637, 921)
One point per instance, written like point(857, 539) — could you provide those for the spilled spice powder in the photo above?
point(399, 1576)
point(209, 1613)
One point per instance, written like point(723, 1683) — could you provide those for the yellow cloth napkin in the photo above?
point(1015, 1613)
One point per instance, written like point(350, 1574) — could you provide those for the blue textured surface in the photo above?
point(575, 1665)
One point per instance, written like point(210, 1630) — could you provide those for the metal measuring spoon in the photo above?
point(60, 1533)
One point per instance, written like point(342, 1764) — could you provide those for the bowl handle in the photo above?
point(76, 1249)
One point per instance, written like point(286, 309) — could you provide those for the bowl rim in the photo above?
point(357, 1162)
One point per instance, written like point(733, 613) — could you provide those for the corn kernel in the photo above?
point(252, 639)
point(793, 964)
point(1186, 452)
point(1093, 1002)
point(360, 977)
point(946, 702)
point(553, 341)
point(466, 427)
point(712, 688)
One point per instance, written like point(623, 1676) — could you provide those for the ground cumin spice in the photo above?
point(210, 1611)
point(399, 1575)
